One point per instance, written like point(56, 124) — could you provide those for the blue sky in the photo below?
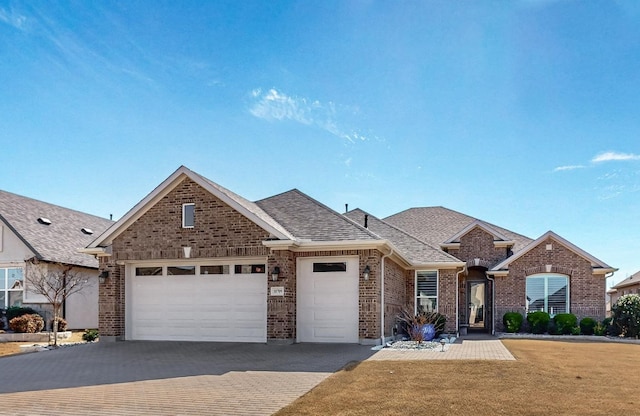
point(524, 113)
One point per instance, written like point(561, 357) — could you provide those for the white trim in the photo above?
point(184, 210)
point(1, 236)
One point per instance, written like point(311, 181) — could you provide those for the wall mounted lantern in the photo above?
point(187, 252)
point(366, 272)
point(102, 277)
point(275, 273)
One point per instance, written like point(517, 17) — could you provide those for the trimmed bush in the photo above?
point(62, 324)
point(599, 329)
point(29, 324)
point(575, 330)
point(538, 321)
point(609, 328)
point(565, 322)
point(626, 315)
point(512, 321)
point(90, 335)
point(15, 311)
point(587, 325)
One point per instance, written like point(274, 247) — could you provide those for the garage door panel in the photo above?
point(328, 302)
point(199, 308)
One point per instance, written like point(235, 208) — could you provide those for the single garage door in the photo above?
point(327, 300)
point(198, 303)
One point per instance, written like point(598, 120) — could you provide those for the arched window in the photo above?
point(548, 292)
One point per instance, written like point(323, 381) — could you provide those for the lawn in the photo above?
point(548, 378)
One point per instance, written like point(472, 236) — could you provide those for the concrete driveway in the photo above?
point(167, 378)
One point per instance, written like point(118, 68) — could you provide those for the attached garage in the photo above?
point(210, 301)
point(327, 299)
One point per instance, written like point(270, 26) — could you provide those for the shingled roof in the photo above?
point(308, 219)
point(436, 225)
point(51, 232)
point(416, 251)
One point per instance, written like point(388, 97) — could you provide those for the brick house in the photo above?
point(36, 231)
point(195, 261)
point(626, 287)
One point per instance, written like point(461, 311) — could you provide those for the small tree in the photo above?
point(56, 282)
point(626, 315)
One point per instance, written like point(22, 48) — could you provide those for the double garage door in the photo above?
point(223, 302)
point(228, 302)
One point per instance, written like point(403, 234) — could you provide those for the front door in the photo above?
point(477, 305)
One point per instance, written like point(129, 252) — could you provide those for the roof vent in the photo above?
point(45, 221)
point(87, 231)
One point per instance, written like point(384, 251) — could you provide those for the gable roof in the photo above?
point(497, 236)
point(634, 279)
point(438, 225)
point(597, 265)
point(309, 220)
point(245, 207)
point(60, 239)
point(417, 252)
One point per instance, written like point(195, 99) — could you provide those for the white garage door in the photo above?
point(328, 300)
point(198, 303)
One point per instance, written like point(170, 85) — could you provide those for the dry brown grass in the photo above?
point(548, 378)
point(11, 348)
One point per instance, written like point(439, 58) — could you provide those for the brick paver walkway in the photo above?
point(467, 350)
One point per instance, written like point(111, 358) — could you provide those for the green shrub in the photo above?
point(512, 321)
point(599, 329)
point(15, 311)
point(565, 322)
point(90, 335)
point(608, 327)
point(538, 321)
point(30, 323)
point(626, 315)
point(575, 330)
point(553, 329)
point(587, 325)
point(62, 324)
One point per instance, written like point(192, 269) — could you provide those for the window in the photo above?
point(181, 270)
point(427, 291)
point(148, 271)
point(548, 293)
point(249, 268)
point(11, 287)
point(188, 215)
point(220, 269)
point(329, 267)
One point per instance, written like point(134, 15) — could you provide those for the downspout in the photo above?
point(382, 295)
point(493, 304)
point(464, 269)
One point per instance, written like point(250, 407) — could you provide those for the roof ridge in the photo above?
point(54, 205)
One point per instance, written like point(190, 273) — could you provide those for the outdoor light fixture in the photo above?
point(443, 343)
point(275, 273)
point(366, 272)
point(187, 252)
point(102, 277)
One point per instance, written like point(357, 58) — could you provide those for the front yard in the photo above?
point(549, 377)
point(10, 348)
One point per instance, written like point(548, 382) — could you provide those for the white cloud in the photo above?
point(614, 156)
point(568, 167)
point(273, 105)
point(12, 18)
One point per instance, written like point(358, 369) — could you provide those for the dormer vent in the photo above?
point(88, 231)
point(45, 221)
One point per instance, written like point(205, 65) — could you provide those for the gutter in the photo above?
point(464, 269)
point(382, 295)
point(493, 304)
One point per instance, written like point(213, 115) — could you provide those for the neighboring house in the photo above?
point(52, 235)
point(195, 261)
point(629, 285)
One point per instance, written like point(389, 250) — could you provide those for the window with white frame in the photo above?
point(11, 287)
point(427, 291)
point(188, 215)
point(548, 293)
